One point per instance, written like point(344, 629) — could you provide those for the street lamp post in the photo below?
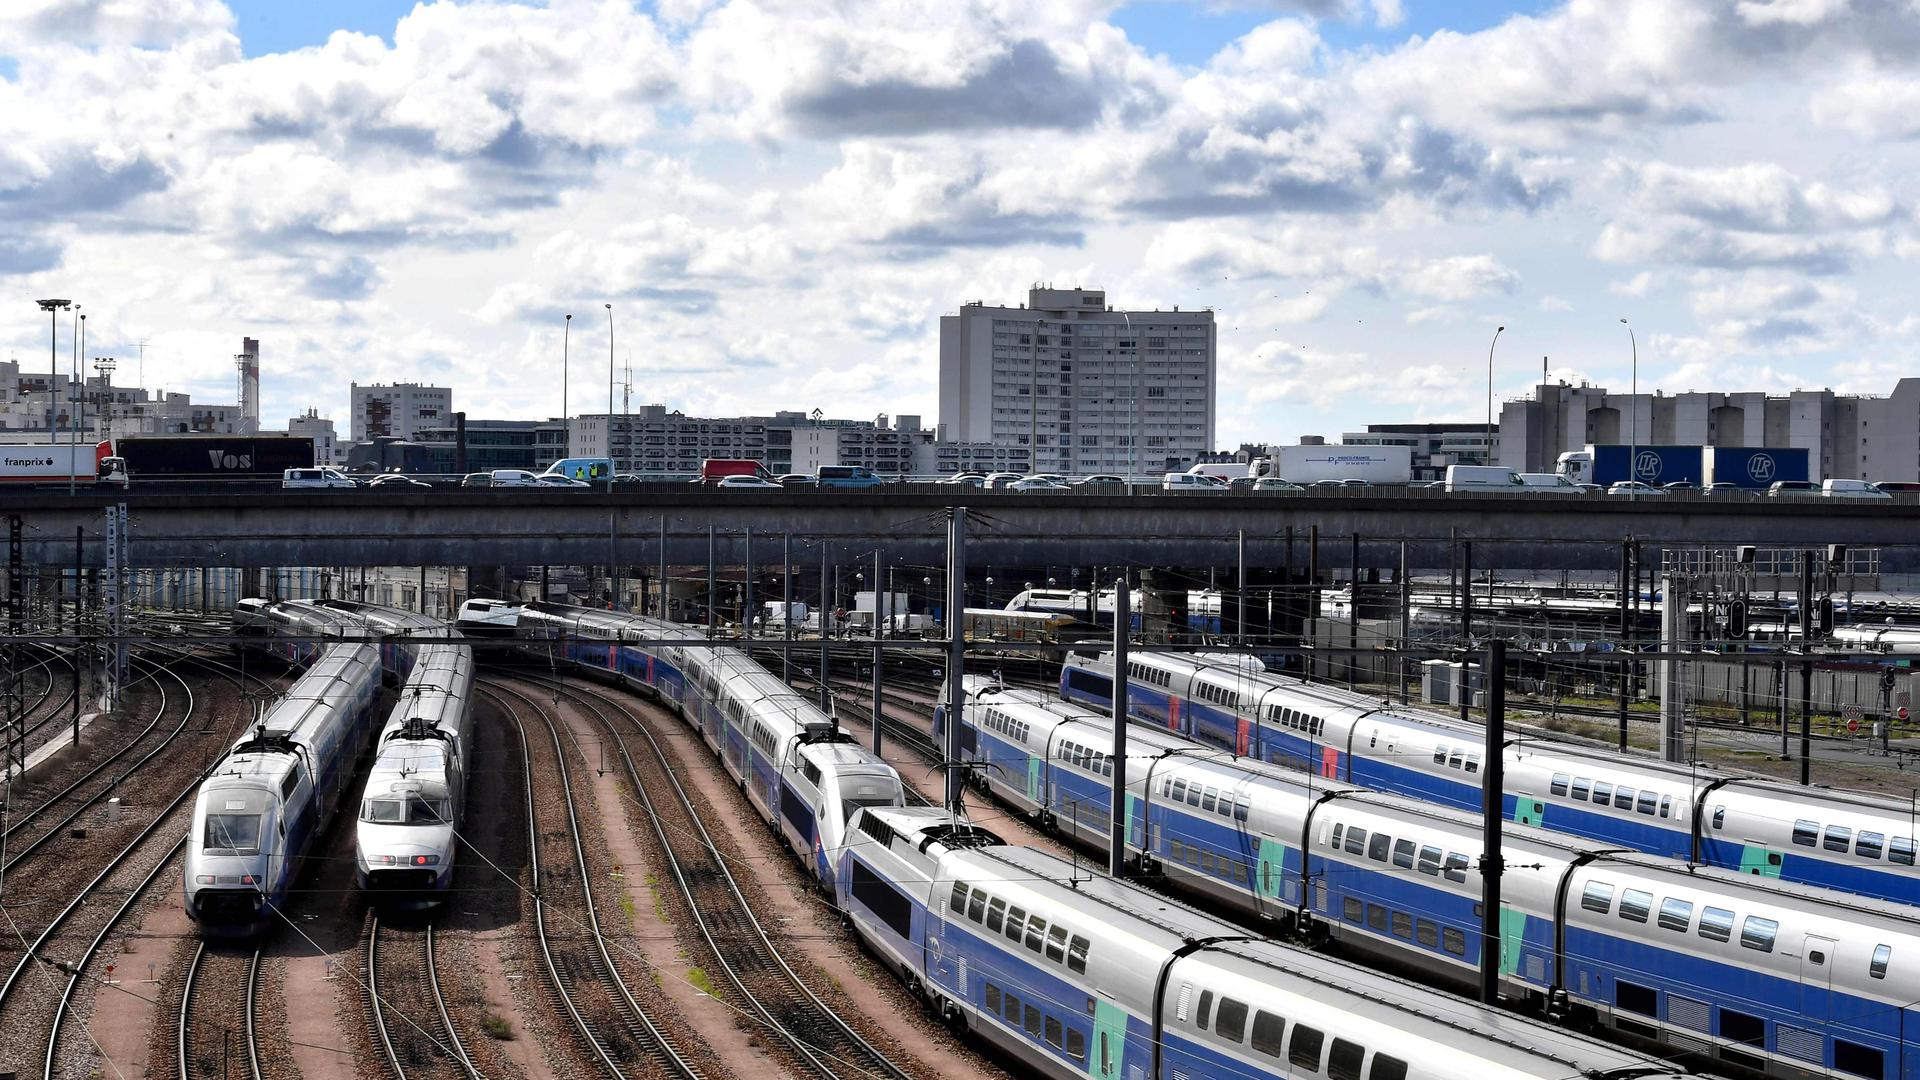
point(1633, 421)
point(566, 406)
point(74, 380)
point(53, 308)
point(1498, 330)
point(610, 465)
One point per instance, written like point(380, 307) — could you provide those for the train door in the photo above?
point(1109, 1040)
point(1273, 887)
point(1760, 860)
point(1816, 981)
point(1037, 780)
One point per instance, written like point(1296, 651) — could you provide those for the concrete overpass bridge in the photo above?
point(522, 527)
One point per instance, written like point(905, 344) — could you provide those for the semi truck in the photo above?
point(1745, 466)
point(1657, 465)
point(58, 464)
point(222, 459)
point(1309, 464)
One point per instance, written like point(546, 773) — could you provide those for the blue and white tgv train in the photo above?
point(407, 838)
point(1732, 963)
point(801, 772)
point(1842, 840)
point(263, 806)
point(1078, 975)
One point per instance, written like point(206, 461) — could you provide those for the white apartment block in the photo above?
point(327, 449)
point(1088, 389)
point(30, 401)
point(399, 410)
point(652, 440)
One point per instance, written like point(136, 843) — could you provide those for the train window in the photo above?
point(1403, 926)
point(1743, 1028)
point(1077, 954)
point(1179, 791)
point(1352, 910)
point(1426, 933)
point(1057, 944)
point(1676, 914)
point(1387, 1068)
point(1376, 917)
point(1806, 833)
point(1882, 955)
point(1602, 793)
point(1356, 841)
point(1453, 941)
point(1623, 798)
point(1201, 1015)
point(1053, 1032)
point(1758, 933)
point(1269, 1033)
point(1839, 838)
point(1440, 754)
point(1378, 845)
point(1456, 866)
point(1719, 817)
point(1344, 1061)
point(1033, 1021)
point(1901, 850)
point(1869, 845)
point(1338, 831)
point(1582, 787)
point(1207, 799)
point(1649, 802)
point(1304, 1051)
point(1206, 862)
point(1230, 1022)
point(1636, 905)
point(1597, 897)
point(1430, 861)
point(1076, 1045)
point(1666, 804)
point(996, 915)
point(1036, 933)
point(1851, 1057)
point(993, 998)
point(1242, 808)
point(1016, 920)
point(1473, 763)
point(1453, 758)
point(1012, 1011)
point(1716, 924)
point(1559, 785)
point(1403, 854)
point(958, 905)
point(292, 781)
point(977, 906)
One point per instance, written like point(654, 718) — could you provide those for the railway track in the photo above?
point(222, 983)
point(621, 1036)
point(412, 1027)
point(817, 1035)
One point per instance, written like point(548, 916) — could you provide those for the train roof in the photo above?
point(313, 696)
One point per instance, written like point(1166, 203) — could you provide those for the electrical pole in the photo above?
point(1806, 668)
point(876, 648)
point(1492, 804)
point(786, 607)
point(956, 654)
point(1626, 677)
point(1117, 797)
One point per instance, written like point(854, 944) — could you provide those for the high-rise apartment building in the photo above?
point(1088, 389)
point(398, 410)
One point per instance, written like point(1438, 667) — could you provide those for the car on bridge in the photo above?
point(323, 477)
point(1634, 488)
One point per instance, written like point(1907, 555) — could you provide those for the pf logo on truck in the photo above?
point(1760, 468)
point(1646, 466)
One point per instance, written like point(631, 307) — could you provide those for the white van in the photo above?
point(513, 478)
point(1482, 478)
point(1548, 481)
point(316, 478)
point(1192, 482)
point(1851, 489)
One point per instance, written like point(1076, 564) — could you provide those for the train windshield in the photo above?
point(233, 834)
point(411, 810)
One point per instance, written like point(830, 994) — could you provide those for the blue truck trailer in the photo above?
point(1656, 465)
point(1756, 467)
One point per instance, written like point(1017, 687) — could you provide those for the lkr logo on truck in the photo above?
point(220, 459)
point(1646, 466)
point(1760, 468)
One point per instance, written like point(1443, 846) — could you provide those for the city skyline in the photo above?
point(781, 208)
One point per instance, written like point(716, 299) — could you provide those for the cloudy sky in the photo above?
point(780, 199)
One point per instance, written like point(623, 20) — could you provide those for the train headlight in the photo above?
point(426, 860)
point(203, 879)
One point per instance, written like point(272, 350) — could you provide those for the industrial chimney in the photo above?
point(248, 360)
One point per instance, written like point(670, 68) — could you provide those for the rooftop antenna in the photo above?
point(140, 373)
